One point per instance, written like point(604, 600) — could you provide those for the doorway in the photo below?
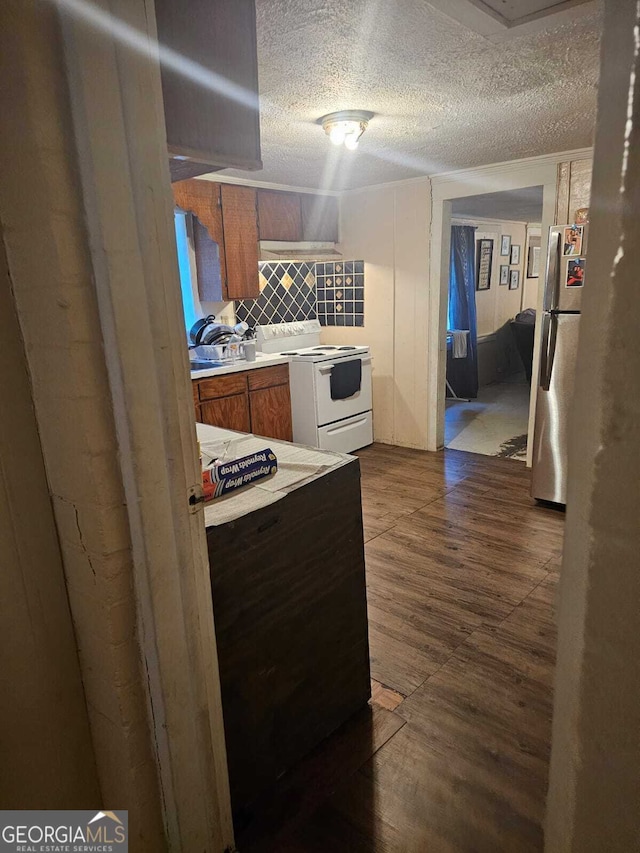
point(446, 190)
point(493, 280)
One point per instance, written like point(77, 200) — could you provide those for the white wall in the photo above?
point(388, 228)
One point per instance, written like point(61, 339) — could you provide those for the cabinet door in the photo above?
point(206, 123)
point(227, 412)
point(240, 223)
point(202, 199)
point(319, 218)
point(271, 412)
point(279, 216)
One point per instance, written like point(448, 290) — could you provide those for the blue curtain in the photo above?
point(462, 373)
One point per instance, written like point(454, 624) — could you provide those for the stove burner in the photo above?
point(325, 348)
point(346, 348)
point(309, 354)
point(288, 353)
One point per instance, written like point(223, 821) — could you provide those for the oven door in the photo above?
point(329, 410)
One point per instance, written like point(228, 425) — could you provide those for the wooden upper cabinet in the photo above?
point(319, 218)
point(202, 199)
point(279, 216)
point(240, 223)
point(229, 215)
point(210, 125)
point(292, 217)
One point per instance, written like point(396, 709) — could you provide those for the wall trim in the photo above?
point(436, 178)
point(403, 182)
point(488, 220)
point(215, 178)
point(524, 164)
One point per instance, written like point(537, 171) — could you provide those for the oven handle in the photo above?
point(327, 368)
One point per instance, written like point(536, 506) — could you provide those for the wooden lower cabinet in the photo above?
point(271, 412)
point(291, 628)
point(256, 401)
point(228, 412)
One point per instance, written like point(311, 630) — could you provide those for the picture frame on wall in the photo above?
point(504, 274)
point(505, 246)
point(515, 255)
point(533, 258)
point(514, 280)
point(484, 260)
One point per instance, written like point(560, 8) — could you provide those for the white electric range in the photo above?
point(322, 415)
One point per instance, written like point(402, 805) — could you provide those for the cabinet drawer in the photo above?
point(267, 377)
point(222, 386)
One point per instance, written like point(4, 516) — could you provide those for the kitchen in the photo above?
point(361, 643)
point(278, 287)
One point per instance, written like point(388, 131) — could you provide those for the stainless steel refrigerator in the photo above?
point(564, 284)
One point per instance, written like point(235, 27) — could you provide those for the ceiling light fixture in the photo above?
point(346, 127)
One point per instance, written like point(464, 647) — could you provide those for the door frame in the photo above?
point(539, 171)
point(131, 235)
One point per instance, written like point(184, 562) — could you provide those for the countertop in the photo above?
point(297, 465)
point(262, 360)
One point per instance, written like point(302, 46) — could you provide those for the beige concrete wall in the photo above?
point(388, 228)
point(43, 220)
point(595, 775)
point(47, 753)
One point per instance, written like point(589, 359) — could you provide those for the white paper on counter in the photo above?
point(296, 464)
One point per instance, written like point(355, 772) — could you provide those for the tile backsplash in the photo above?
point(331, 291)
point(340, 290)
point(287, 293)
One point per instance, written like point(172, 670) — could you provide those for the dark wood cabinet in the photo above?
point(212, 119)
point(227, 254)
point(279, 216)
point(202, 199)
point(292, 217)
point(228, 412)
point(240, 224)
point(268, 412)
point(291, 630)
point(255, 401)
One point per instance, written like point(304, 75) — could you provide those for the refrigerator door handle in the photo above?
point(551, 294)
point(549, 336)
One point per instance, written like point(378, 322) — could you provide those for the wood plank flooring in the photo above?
point(452, 756)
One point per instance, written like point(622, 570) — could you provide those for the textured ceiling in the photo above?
point(523, 205)
point(444, 97)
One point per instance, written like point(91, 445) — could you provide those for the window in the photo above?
point(184, 264)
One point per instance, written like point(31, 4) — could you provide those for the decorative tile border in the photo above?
point(331, 291)
point(340, 289)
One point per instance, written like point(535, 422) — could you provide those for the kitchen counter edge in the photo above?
point(266, 360)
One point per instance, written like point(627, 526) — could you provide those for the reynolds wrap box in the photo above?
point(223, 477)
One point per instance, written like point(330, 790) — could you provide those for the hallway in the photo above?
point(494, 424)
point(452, 755)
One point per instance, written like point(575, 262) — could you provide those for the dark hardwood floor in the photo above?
point(452, 754)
